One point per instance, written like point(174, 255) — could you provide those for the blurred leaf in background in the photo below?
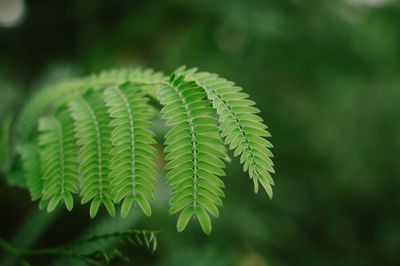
point(325, 75)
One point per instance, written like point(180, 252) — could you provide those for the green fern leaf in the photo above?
point(93, 133)
point(195, 150)
point(240, 125)
point(58, 159)
point(204, 220)
point(132, 168)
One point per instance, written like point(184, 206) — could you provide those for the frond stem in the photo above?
point(61, 143)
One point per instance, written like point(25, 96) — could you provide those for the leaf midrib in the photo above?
point(131, 128)
point(61, 144)
point(99, 149)
point(194, 145)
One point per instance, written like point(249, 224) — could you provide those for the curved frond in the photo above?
point(240, 125)
point(132, 166)
point(93, 132)
point(58, 157)
point(195, 150)
point(148, 79)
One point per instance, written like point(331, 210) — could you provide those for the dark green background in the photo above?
point(325, 75)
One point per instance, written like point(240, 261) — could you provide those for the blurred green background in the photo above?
point(324, 73)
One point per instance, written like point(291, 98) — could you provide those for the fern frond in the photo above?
point(30, 154)
point(93, 133)
point(132, 166)
point(135, 237)
point(58, 157)
point(109, 124)
point(240, 125)
point(194, 151)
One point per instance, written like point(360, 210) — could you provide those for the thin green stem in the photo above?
point(8, 248)
point(22, 253)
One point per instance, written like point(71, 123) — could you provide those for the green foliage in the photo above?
point(194, 149)
point(93, 133)
point(132, 168)
point(58, 155)
point(96, 137)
